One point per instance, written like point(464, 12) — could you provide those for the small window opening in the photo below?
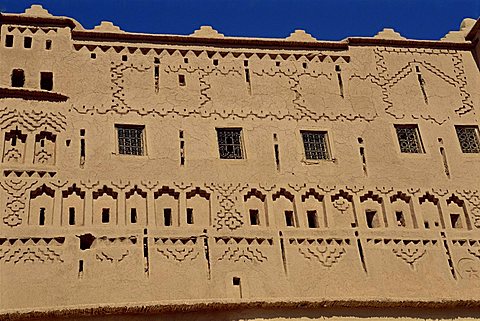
point(277, 63)
point(18, 78)
point(124, 58)
point(133, 215)
point(71, 216)
point(455, 220)
point(189, 215)
point(181, 80)
point(46, 80)
point(289, 218)
point(86, 241)
point(156, 60)
point(245, 63)
point(436, 224)
point(27, 42)
point(304, 65)
point(167, 216)
point(236, 281)
point(185, 60)
point(180, 133)
point(42, 143)
point(80, 266)
point(215, 62)
point(371, 219)
point(400, 218)
point(247, 75)
point(9, 41)
point(105, 215)
point(426, 224)
point(93, 55)
point(14, 140)
point(48, 44)
point(82, 132)
point(312, 219)
point(254, 219)
point(41, 219)
point(67, 142)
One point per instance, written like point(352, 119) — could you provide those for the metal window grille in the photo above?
point(230, 143)
point(409, 139)
point(468, 137)
point(130, 140)
point(315, 144)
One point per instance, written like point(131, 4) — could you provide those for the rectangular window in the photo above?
point(105, 215)
point(27, 42)
point(312, 219)
point(468, 138)
point(289, 220)
point(409, 139)
point(189, 215)
point(71, 215)
point(18, 78)
point(46, 80)
point(130, 139)
point(315, 144)
point(254, 219)
point(230, 143)
point(9, 41)
point(167, 216)
point(133, 215)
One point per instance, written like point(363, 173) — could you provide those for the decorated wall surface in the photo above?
point(83, 222)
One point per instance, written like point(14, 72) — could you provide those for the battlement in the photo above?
point(207, 171)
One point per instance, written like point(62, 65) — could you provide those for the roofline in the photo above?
point(78, 33)
point(473, 31)
point(230, 305)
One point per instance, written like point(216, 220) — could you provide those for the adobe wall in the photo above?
point(66, 156)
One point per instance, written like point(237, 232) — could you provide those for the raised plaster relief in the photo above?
point(32, 120)
point(327, 252)
point(468, 269)
point(386, 79)
point(44, 148)
point(242, 249)
point(15, 200)
point(23, 250)
point(115, 255)
point(228, 216)
point(177, 249)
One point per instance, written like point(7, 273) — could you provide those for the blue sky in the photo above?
point(325, 20)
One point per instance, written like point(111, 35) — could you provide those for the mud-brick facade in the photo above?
point(237, 178)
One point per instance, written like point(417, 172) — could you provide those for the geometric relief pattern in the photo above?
point(386, 81)
point(32, 120)
point(177, 249)
point(246, 250)
point(228, 217)
point(16, 200)
point(41, 250)
point(327, 252)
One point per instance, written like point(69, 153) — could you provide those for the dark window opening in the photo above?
point(185, 60)
point(315, 145)
point(27, 42)
point(468, 138)
point(130, 140)
point(426, 224)
point(455, 220)
point(254, 219)
point(215, 62)
point(105, 215)
point(400, 218)
point(371, 219)
point(230, 143)
point(18, 78)
point(304, 65)
point(9, 41)
point(289, 220)
point(236, 281)
point(156, 60)
point(46, 80)
point(312, 219)
point(181, 80)
point(48, 44)
point(277, 63)
point(167, 216)
point(133, 215)
point(124, 58)
point(93, 55)
point(245, 63)
point(189, 215)
point(71, 216)
point(409, 139)
point(41, 219)
point(80, 266)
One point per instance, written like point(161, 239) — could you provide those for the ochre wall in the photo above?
point(290, 89)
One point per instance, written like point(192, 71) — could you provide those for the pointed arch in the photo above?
point(314, 193)
point(200, 192)
point(254, 193)
point(105, 190)
point(73, 190)
point(135, 190)
point(44, 189)
point(283, 192)
point(168, 191)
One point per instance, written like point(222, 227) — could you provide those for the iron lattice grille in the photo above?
point(409, 139)
point(315, 144)
point(230, 143)
point(130, 140)
point(468, 137)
